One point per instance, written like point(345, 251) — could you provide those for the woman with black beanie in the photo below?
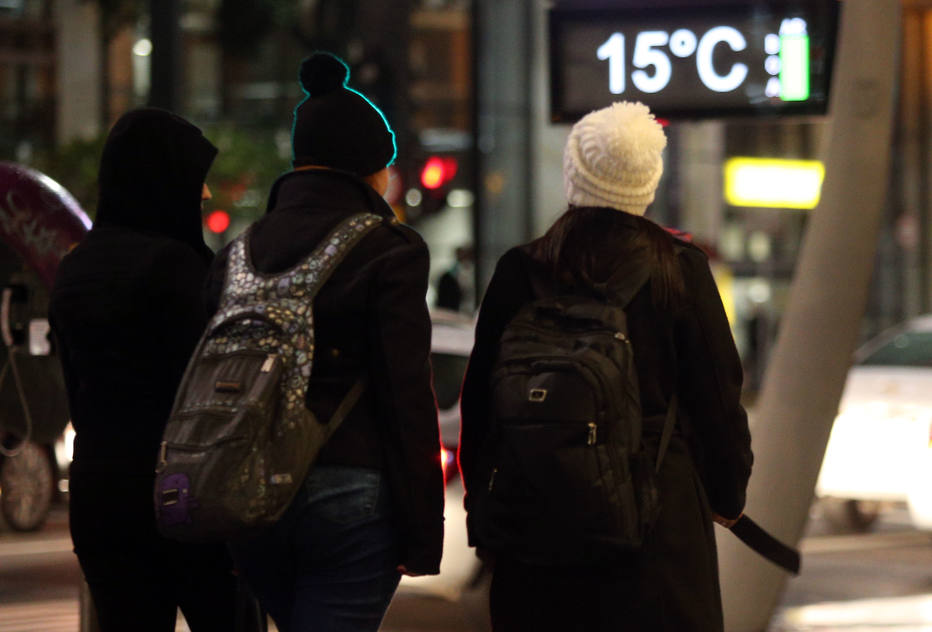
point(371, 508)
point(683, 352)
point(126, 311)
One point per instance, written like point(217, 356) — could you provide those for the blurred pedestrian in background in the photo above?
point(454, 286)
point(683, 349)
point(126, 311)
point(371, 508)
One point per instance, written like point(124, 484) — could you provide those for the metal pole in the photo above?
point(925, 195)
point(475, 156)
point(820, 328)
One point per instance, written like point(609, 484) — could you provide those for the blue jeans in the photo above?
point(330, 563)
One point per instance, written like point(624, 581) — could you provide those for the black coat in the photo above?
point(369, 317)
point(126, 310)
point(709, 459)
point(125, 307)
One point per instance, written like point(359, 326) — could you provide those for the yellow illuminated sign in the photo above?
point(773, 182)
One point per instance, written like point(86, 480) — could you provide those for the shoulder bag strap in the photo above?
point(349, 402)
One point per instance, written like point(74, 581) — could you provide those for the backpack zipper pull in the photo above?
point(592, 433)
point(269, 362)
point(492, 478)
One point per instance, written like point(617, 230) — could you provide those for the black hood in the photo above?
point(151, 172)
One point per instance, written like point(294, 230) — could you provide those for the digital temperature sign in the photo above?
point(756, 58)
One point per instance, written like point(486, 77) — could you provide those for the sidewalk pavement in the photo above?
point(893, 614)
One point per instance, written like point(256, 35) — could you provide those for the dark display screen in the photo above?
point(752, 59)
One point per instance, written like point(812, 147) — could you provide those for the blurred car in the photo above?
point(880, 447)
point(451, 344)
point(460, 581)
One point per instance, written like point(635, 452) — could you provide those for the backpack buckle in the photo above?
point(537, 395)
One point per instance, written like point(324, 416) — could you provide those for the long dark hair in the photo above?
point(586, 245)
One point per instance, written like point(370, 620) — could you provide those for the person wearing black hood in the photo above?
point(126, 312)
point(371, 508)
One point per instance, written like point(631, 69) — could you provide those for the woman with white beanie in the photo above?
point(685, 360)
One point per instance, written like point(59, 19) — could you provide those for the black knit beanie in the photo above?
point(336, 126)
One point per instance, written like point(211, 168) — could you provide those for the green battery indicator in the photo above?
point(794, 60)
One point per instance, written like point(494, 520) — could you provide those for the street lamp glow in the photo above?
point(143, 47)
point(414, 197)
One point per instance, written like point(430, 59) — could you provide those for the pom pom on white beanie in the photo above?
point(613, 158)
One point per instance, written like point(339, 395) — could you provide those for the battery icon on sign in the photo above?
point(794, 60)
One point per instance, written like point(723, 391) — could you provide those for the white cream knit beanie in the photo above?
point(613, 158)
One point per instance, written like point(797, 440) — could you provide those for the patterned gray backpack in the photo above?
point(240, 440)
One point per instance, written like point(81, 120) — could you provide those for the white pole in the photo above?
point(820, 327)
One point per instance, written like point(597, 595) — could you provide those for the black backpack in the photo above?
point(569, 481)
point(240, 440)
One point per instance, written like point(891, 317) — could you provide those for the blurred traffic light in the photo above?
point(437, 176)
point(438, 171)
point(218, 221)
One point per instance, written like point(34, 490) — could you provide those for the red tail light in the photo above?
point(447, 464)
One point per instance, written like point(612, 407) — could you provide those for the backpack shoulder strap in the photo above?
point(236, 260)
point(625, 283)
point(620, 289)
point(540, 278)
point(316, 266)
point(667, 432)
point(347, 404)
point(328, 254)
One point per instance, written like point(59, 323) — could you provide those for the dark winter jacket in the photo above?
point(370, 318)
point(125, 307)
point(709, 459)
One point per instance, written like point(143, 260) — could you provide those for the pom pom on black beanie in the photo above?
point(336, 126)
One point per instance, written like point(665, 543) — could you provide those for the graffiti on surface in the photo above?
point(22, 223)
point(39, 220)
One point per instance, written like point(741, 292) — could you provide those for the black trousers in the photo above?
point(137, 578)
point(670, 585)
point(527, 598)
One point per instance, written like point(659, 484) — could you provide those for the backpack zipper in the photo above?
point(182, 447)
point(492, 478)
point(522, 332)
point(593, 429)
